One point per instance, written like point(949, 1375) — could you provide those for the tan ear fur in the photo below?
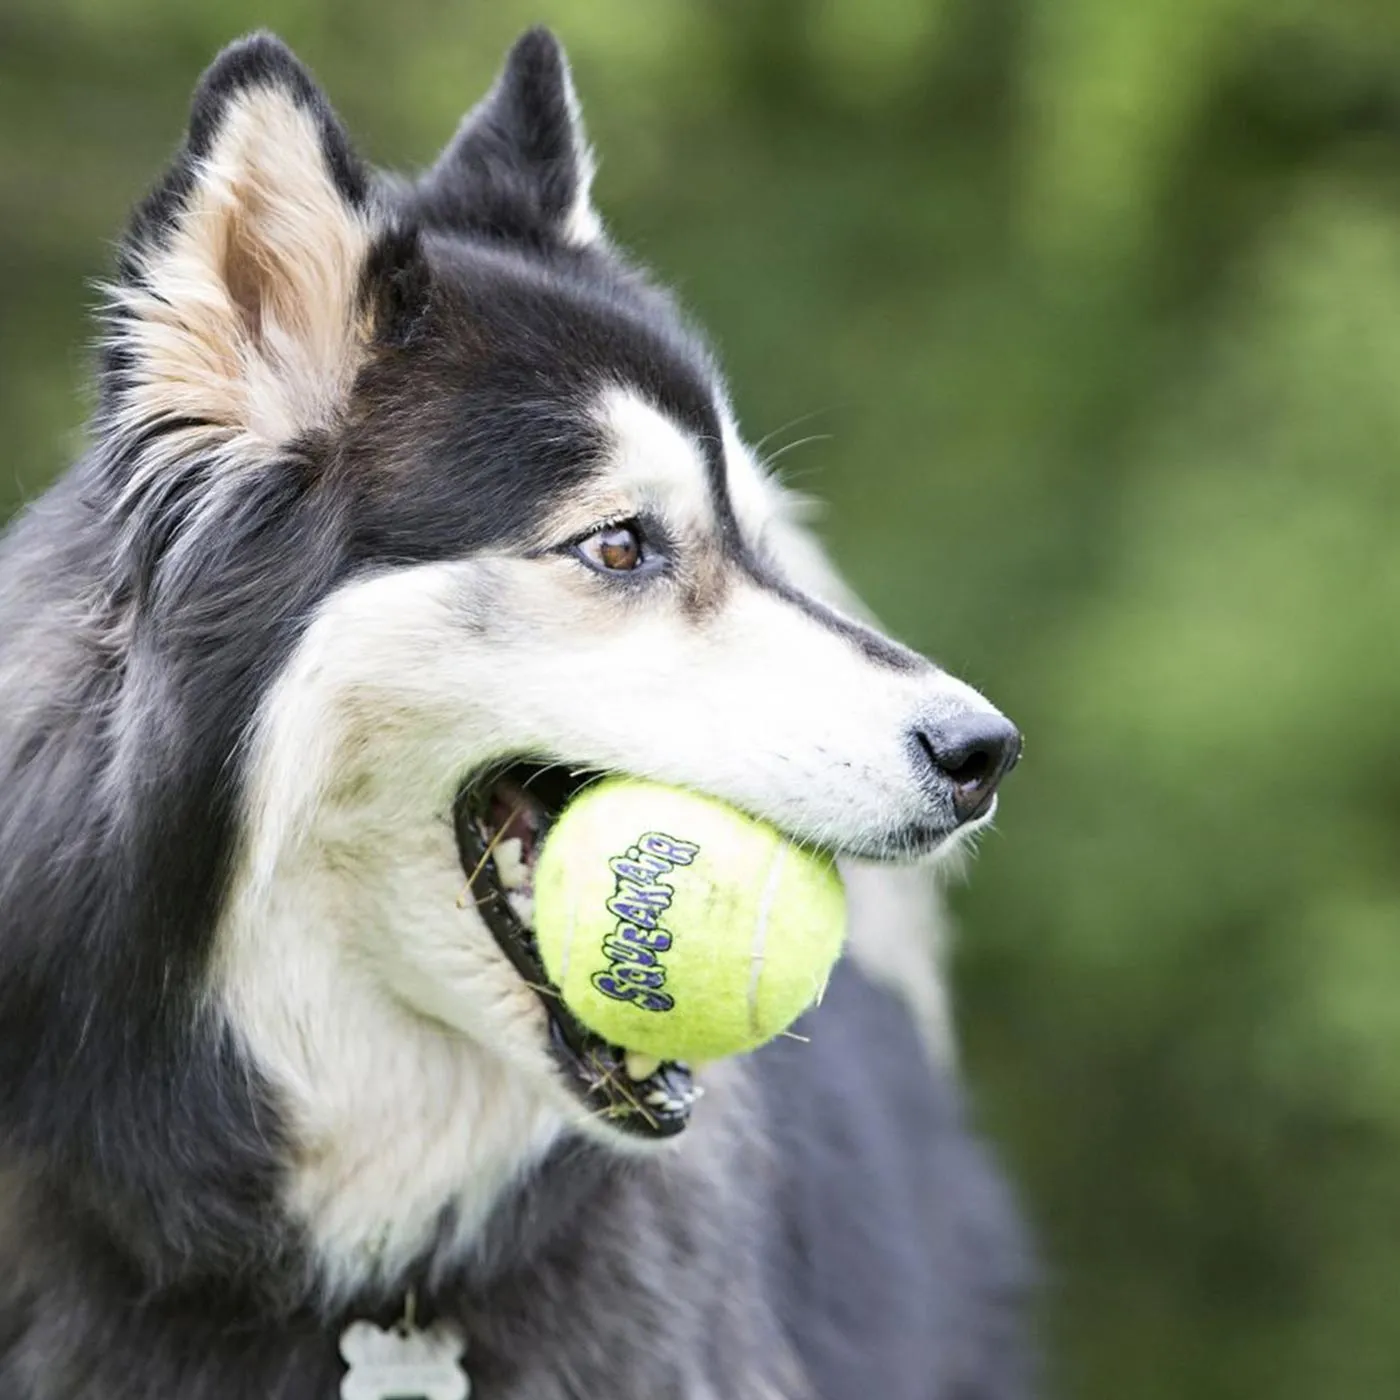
point(244, 326)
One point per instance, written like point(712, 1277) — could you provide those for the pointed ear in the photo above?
point(519, 166)
point(241, 311)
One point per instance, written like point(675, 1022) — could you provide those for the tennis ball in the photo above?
point(677, 927)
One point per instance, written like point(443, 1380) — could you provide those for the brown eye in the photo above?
point(616, 550)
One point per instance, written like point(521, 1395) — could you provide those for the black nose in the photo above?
point(974, 752)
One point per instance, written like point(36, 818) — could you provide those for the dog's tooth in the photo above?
point(523, 907)
point(511, 870)
point(658, 1098)
point(641, 1066)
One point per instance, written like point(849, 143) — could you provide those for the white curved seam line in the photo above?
point(760, 933)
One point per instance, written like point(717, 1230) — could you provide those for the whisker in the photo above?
point(783, 427)
point(781, 452)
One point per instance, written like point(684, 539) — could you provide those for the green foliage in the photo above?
point(1095, 310)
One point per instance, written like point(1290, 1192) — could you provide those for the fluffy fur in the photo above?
point(263, 1069)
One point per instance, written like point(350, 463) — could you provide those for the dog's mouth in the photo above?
point(502, 817)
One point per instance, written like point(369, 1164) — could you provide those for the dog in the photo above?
point(410, 506)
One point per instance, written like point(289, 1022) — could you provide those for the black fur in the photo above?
point(514, 170)
point(494, 317)
point(397, 286)
point(146, 1254)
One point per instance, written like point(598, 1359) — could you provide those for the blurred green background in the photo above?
point(1093, 311)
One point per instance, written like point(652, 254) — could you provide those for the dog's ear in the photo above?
point(519, 167)
point(249, 285)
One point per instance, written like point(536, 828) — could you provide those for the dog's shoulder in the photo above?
point(895, 1235)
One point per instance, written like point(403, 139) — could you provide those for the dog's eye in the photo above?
point(616, 550)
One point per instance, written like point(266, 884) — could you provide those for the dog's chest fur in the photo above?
point(634, 1281)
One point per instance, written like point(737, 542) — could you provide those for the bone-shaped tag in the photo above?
point(403, 1364)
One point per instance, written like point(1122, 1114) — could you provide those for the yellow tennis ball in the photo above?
point(678, 927)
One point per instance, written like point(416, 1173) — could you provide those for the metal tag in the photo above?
point(404, 1363)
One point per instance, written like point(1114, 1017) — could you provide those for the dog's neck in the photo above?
point(405, 1060)
point(413, 1165)
point(406, 1137)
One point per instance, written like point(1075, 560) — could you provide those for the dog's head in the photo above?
point(442, 507)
